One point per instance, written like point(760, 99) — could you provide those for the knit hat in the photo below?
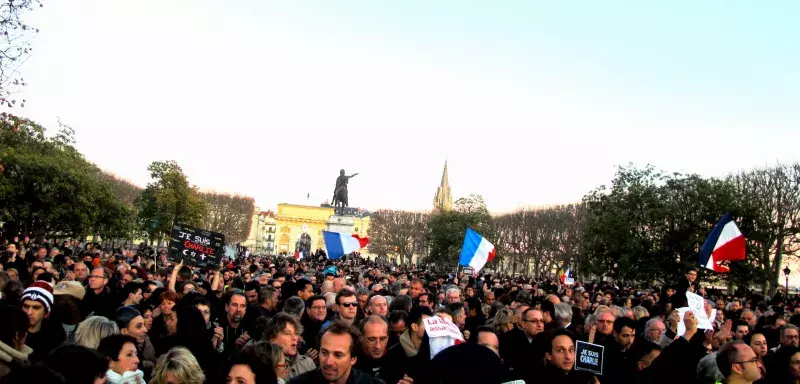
point(40, 291)
point(125, 315)
point(72, 288)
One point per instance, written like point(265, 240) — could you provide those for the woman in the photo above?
point(147, 315)
point(162, 317)
point(178, 366)
point(123, 367)
point(190, 332)
point(93, 329)
point(272, 355)
point(758, 342)
point(503, 320)
point(13, 330)
point(247, 369)
point(131, 323)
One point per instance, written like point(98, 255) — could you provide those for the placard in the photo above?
point(589, 357)
point(196, 247)
point(441, 333)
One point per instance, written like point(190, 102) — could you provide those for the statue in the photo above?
point(340, 192)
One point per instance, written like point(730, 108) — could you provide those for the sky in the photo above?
point(530, 102)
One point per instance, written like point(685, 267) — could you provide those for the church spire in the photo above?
point(443, 201)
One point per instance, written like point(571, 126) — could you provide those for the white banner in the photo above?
point(442, 334)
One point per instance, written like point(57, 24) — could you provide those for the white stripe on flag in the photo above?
point(481, 254)
point(728, 233)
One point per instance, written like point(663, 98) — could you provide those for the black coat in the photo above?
point(103, 304)
point(315, 377)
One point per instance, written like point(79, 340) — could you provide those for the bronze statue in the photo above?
point(340, 192)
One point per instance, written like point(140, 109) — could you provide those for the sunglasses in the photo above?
point(347, 305)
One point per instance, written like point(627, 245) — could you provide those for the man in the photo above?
point(749, 318)
point(517, 345)
point(337, 358)
point(616, 367)
point(738, 363)
point(81, 271)
point(488, 301)
point(304, 289)
point(402, 358)
point(251, 292)
point(653, 330)
point(363, 300)
point(741, 329)
point(374, 343)
point(378, 306)
point(452, 295)
point(268, 299)
point(559, 361)
point(132, 292)
point(427, 300)
point(235, 334)
point(284, 331)
point(488, 337)
point(563, 315)
point(415, 289)
point(605, 324)
point(459, 315)
point(99, 299)
point(338, 284)
point(43, 335)
point(316, 313)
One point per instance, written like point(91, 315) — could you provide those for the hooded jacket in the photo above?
point(11, 358)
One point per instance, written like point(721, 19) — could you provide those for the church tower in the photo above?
point(443, 201)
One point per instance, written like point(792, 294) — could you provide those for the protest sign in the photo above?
point(195, 246)
point(442, 334)
point(589, 357)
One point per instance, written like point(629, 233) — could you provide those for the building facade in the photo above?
point(293, 221)
point(443, 200)
point(263, 232)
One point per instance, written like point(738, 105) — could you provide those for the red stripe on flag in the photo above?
point(733, 250)
point(362, 241)
point(492, 254)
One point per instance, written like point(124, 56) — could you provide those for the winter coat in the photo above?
point(11, 358)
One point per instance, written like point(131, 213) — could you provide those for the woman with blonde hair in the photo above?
point(640, 313)
point(178, 366)
point(503, 320)
point(93, 329)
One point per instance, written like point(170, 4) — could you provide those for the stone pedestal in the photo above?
point(339, 223)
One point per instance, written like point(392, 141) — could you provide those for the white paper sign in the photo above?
point(703, 323)
point(442, 334)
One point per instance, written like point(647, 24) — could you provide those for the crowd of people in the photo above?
point(77, 313)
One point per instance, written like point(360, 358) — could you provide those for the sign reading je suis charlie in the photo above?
point(196, 247)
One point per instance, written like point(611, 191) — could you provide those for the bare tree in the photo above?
point(231, 215)
point(400, 232)
point(15, 46)
point(770, 198)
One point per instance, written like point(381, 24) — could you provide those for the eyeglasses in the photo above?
point(347, 305)
point(96, 277)
point(754, 360)
point(535, 321)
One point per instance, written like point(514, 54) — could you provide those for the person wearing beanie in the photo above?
point(131, 323)
point(43, 335)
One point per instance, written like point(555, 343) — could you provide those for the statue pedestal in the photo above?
point(339, 223)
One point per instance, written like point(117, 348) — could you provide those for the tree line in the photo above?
point(646, 226)
point(48, 189)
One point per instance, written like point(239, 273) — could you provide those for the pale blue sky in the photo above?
point(531, 102)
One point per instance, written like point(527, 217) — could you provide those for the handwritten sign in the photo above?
point(589, 357)
point(195, 246)
point(442, 334)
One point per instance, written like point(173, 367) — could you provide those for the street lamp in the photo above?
point(786, 272)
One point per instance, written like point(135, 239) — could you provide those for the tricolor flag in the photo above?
point(725, 243)
point(568, 277)
point(476, 251)
point(298, 255)
point(339, 244)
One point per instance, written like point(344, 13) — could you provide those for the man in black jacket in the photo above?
point(99, 298)
point(400, 359)
point(336, 359)
point(374, 342)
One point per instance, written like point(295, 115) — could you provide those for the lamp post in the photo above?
point(786, 272)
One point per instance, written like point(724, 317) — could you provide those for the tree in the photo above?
point(447, 229)
point(126, 191)
point(400, 232)
point(15, 46)
point(168, 199)
point(46, 186)
point(231, 215)
point(770, 201)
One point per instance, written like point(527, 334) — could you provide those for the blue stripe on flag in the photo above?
point(333, 244)
point(471, 242)
point(711, 241)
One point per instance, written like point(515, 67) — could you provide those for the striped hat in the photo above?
point(40, 291)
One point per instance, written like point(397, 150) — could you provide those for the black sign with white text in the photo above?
point(196, 247)
point(589, 357)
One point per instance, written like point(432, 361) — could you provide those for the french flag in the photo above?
point(298, 255)
point(568, 277)
point(725, 243)
point(476, 251)
point(339, 244)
